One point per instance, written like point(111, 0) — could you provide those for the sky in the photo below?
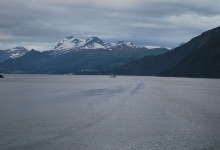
point(41, 24)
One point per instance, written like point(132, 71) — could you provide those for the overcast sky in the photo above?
point(41, 24)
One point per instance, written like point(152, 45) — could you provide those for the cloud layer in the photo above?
point(152, 22)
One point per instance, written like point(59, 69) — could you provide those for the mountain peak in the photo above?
point(13, 53)
point(94, 43)
point(125, 45)
point(71, 39)
point(72, 43)
point(94, 39)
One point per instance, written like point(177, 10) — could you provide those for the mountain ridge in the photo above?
point(72, 43)
point(198, 57)
point(78, 56)
point(161, 64)
point(13, 53)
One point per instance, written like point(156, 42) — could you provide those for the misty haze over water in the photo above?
point(49, 112)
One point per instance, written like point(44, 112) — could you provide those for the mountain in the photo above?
point(197, 58)
point(97, 61)
point(78, 56)
point(3, 55)
point(121, 45)
point(32, 62)
point(71, 43)
point(202, 62)
point(12, 53)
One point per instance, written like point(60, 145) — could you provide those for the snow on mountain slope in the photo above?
point(71, 43)
point(125, 45)
point(17, 52)
point(12, 53)
point(95, 43)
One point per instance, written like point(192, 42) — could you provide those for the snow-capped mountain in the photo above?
point(95, 43)
point(124, 45)
point(16, 52)
point(71, 43)
point(12, 53)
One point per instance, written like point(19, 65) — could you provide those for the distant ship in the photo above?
point(112, 76)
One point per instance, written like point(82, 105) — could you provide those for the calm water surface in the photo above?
point(53, 112)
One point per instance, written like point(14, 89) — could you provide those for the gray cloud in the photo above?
point(152, 22)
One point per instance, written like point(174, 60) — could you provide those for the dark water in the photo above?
point(46, 112)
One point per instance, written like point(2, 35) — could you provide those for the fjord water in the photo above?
point(53, 112)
